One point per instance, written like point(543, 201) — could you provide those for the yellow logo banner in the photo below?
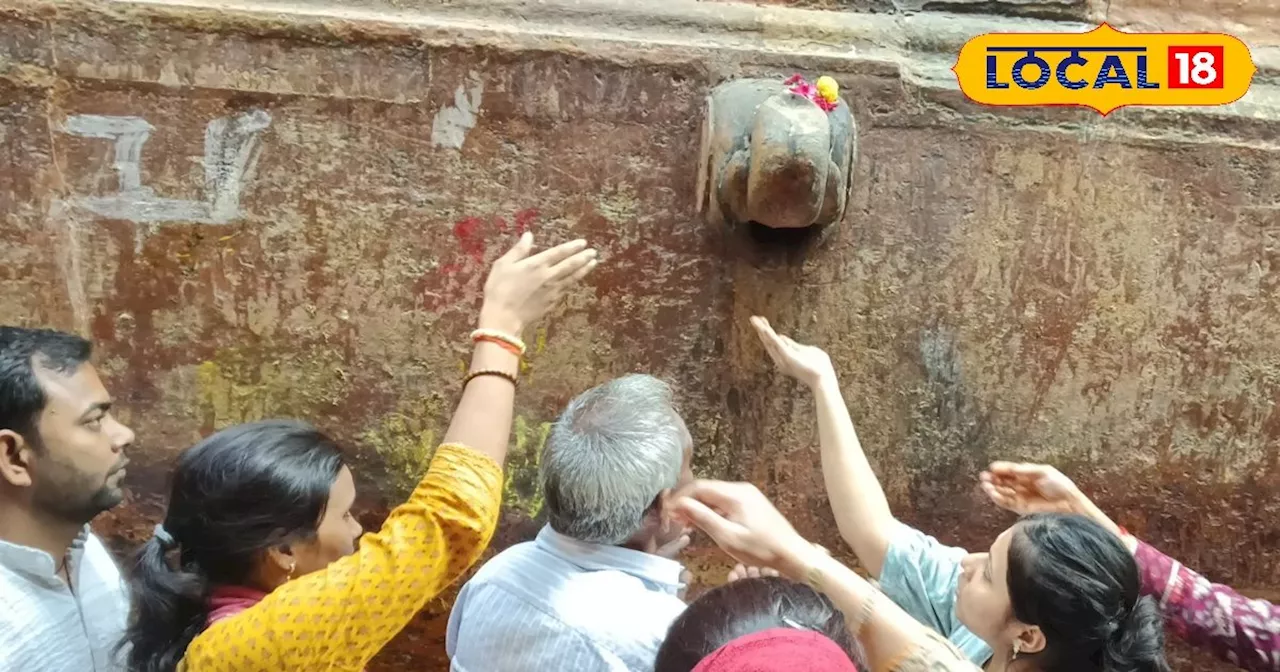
point(1104, 69)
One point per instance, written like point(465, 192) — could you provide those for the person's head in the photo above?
point(611, 461)
point(748, 607)
point(61, 451)
point(1063, 592)
point(253, 505)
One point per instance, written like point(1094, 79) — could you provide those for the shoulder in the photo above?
point(915, 557)
point(93, 547)
point(17, 602)
point(519, 560)
point(240, 642)
point(908, 543)
point(588, 602)
point(99, 560)
point(105, 589)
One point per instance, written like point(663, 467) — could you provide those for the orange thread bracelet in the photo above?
point(499, 342)
point(489, 372)
point(493, 335)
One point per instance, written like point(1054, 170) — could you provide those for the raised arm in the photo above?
point(861, 510)
point(746, 525)
point(1208, 615)
point(339, 617)
point(520, 289)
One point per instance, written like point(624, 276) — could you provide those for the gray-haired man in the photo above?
point(595, 590)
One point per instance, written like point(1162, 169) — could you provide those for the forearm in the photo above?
point(1211, 615)
point(482, 419)
point(888, 634)
point(861, 509)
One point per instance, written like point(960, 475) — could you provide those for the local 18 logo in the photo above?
point(1104, 69)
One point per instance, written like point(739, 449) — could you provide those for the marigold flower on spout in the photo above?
point(828, 89)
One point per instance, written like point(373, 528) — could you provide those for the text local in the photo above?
point(1112, 71)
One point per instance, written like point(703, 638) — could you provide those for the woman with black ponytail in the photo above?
point(1208, 615)
point(1054, 593)
point(240, 501)
point(259, 566)
point(1080, 589)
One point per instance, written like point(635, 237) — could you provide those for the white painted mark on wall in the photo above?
point(452, 122)
point(231, 150)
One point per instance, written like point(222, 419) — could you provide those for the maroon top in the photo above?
point(1212, 616)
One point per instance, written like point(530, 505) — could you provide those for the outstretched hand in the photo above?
point(805, 363)
point(523, 286)
point(1039, 488)
point(743, 523)
point(1030, 488)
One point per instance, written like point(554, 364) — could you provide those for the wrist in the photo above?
point(825, 382)
point(1084, 506)
point(799, 559)
point(500, 320)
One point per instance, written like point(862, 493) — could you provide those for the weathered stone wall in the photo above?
point(1033, 284)
point(1255, 21)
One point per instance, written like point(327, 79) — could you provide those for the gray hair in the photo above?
point(615, 447)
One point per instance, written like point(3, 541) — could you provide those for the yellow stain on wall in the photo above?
point(406, 440)
point(236, 386)
point(523, 487)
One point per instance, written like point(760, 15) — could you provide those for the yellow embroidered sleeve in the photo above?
point(338, 618)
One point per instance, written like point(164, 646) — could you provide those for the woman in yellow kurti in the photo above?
point(269, 575)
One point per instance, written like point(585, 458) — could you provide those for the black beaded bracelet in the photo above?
point(489, 372)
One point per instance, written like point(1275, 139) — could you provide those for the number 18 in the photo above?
point(1195, 67)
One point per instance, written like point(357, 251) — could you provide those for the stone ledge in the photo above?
point(722, 38)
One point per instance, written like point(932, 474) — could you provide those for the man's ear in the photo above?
point(16, 457)
point(662, 507)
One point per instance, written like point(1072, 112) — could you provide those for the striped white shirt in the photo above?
point(556, 603)
point(44, 625)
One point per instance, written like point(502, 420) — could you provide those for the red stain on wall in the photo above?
point(473, 235)
point(470, 238)
point(524, 220)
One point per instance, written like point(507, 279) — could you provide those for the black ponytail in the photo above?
point(235, 494)
point(1137, 641)
point(1075, 581)
point(169, 610)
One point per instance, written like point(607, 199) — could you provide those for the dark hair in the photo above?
point(21, 351)
point(744, 607)
point(1080, 585)
point(235, 494)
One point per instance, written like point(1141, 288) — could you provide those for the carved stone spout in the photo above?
point(774, 157)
